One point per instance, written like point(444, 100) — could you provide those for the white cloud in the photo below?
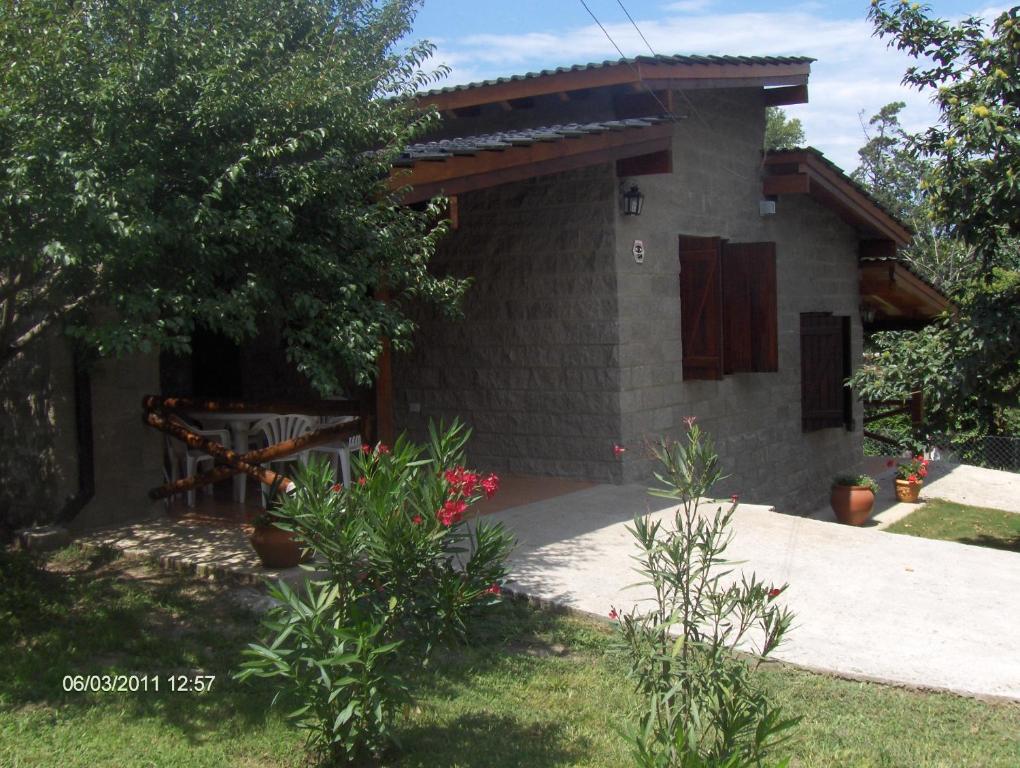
point(854, 70)
point(689, 6)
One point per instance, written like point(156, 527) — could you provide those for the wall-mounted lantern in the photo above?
point(633, 201)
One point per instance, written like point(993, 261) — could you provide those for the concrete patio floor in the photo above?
point(868, 605)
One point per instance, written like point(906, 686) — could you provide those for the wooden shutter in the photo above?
point(701, 307)
point(750, 335)
point(824, 358)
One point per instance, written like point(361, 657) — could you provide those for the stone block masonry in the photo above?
point(568, 345)
point(533, 365)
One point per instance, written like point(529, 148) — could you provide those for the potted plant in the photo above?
point(275, 546)
point(910, 477)
point(852, 498)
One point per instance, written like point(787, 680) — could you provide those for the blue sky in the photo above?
point(479, 39)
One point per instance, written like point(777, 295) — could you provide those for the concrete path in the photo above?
point(868, 605)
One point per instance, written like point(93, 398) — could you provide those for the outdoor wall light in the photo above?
point(868, 314)
point(633, 201)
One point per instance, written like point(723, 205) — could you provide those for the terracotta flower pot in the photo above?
point(275, 547)
point(852, 503)
point(908, 491)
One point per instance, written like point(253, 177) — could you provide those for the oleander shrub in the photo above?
point(399, 570)
point(694, 646)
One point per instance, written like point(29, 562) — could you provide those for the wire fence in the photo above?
point(992, 451)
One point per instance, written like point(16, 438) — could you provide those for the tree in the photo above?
point(220, 164)
point(781, 133)
point(897, 178)
point(972, 358)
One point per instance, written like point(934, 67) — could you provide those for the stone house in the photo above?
point(735, 296)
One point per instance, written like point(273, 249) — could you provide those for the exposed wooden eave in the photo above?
point(460, 174)
point(792, 173)
point(645, 74)
point(893, 291)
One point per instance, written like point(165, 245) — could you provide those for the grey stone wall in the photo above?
point(754, 417)
point(128, 454)
point(533, 366)
point(38, 456)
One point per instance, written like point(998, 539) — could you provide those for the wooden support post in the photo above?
point(917, 409)
point(385, 427)
point(384, 422)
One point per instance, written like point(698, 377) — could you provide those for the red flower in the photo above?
point(735, 498)
point(689, 421)
point(613, 614)
point(919, 457)
point(493, 589)
point(416, 519)
point(490, 485)
point(337, 487)
point(382, 448)
point(923, 472)
point(618, 450)
point(912, 479)
point(452, 512)
point(774, 593)
point(890, 463)
point(362, 480)
point(366, 449)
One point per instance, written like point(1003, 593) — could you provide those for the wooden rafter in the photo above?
point(661, 74)
point(807, 173)
point(488, 168)
point(898, 292)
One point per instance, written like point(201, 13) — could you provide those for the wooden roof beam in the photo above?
point(457, 175)
point(676, 75)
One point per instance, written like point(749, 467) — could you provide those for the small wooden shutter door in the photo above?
point(750, 335)
point(823, 345)
point(701, 307)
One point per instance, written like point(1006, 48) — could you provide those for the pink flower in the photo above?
point(490, 485)
point(618, 450)
point(493, 589)
point(416, 519)
point(689, 421)
point(337, 487)
point(366, 449)
point(451, 513)
point(613, 614)
point(735, 498)
point(382, 448)
point(362, 480)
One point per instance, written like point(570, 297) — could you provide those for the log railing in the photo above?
point(914, 407)
point(160, 413)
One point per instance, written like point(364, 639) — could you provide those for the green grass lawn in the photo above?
point(532, 688)
point(938, 519)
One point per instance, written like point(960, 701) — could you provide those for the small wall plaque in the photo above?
point(639, 251)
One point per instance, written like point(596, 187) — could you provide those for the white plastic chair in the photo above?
point(178, 451)
point(339, 451)
point(279, 429)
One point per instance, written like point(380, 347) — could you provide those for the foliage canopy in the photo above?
point(968, 364)
point(220, 164)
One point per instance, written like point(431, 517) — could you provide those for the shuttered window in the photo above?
point(727, 307)
point(750, 337)
point(701, 307)
point(824, 367)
